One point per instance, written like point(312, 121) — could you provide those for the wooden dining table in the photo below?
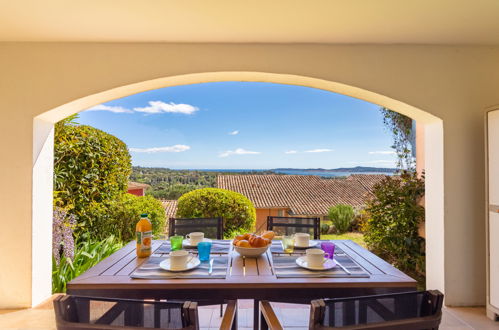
point(246, 278)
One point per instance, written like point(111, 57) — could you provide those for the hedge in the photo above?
point(238, 212)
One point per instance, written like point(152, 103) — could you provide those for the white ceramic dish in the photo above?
point(186, 243)
point(302, 262)
point(251, 252)
point(191, 264)
point(311, 244)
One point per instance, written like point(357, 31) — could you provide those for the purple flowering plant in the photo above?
point(63, 225)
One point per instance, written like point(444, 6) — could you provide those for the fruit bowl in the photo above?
point(251, 251)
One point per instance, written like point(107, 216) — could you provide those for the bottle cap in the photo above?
point(143, 215)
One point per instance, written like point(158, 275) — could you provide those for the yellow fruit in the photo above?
point(243, 243)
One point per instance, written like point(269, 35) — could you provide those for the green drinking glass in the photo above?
point(288, 244)
point(176, 242)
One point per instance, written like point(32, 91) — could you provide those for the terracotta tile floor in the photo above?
point(294, 317)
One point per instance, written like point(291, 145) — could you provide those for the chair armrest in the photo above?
point(268, 316)
point(229, 320)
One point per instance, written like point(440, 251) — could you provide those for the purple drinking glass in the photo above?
point(328, 248)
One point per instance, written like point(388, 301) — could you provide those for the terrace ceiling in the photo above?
point(448, 22)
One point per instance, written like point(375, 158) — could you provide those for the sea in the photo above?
point(298, 172)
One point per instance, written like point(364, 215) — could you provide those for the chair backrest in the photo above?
point(211, 227)
point(407, 310)
point(292, 225)
point(75, 312)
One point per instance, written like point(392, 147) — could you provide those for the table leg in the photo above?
point(256, 314)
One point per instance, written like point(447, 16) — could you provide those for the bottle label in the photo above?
point(144, 239)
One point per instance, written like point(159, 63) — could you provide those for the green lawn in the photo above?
point(356, 237)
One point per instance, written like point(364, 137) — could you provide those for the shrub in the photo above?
point(341, 216)
point(119, 217)
point(358, 222)
point(324, 228)
point(394, 215)
point(87, 254)
point(90, 166)
point(237, 210)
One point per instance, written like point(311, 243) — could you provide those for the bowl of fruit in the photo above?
point(251, 245)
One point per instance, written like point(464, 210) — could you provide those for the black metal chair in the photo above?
point(291, 225)
point(76, 312)
point(407, 310)
point(211, 227)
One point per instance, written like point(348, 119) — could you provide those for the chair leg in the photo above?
point(221, 310)
point(256, 313)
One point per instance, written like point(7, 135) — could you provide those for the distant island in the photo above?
point(362, 169)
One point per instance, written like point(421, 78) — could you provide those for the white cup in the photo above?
point(315, 257)
point(179, 259)
point(302, 239)
point(195, 238)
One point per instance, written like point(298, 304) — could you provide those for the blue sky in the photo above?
point(245, 125)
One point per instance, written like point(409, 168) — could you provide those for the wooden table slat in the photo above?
point(373, 259)
point(129, 267)
point(109, 261)
point(264, 264)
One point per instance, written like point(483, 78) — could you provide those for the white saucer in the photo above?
point(186, 243)
point(311, 244)
point(193, 263)
point(302, 262)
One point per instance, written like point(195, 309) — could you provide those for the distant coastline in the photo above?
point(363, 169)
point(335, 172)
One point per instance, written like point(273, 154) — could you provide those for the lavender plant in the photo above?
point(63, 243)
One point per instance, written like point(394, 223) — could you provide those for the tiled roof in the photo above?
point(367, 180)
point(137, 185)
point(170, 207)
point(301, 194)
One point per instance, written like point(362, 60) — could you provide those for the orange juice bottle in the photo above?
point(144, 236)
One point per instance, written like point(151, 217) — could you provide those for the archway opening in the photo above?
point(43, 154)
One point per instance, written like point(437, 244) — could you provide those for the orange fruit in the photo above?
point(243, 243)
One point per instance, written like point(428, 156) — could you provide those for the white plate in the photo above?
point(187, 243)
point(302, 262)
point(193, 263)
point(311, 244)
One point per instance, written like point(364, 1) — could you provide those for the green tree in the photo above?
point(341, 216)
point(400, 126)
point(394, 215)
point(90, 167)
point(237, 210)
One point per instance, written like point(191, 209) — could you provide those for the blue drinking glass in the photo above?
point(204, 249)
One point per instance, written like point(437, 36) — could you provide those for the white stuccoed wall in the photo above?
point(454, 84)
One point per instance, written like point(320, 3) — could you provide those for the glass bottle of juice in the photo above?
point(144, 236)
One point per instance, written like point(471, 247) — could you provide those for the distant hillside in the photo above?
point(363, 169)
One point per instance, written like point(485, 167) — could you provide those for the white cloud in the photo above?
point(381, 152)
point(162, 107)
point(238, 151)
point(291, 152)
point(175, 148)
point(234, 133)
point(319, 150)
point(110, 108)
point(154, 107)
